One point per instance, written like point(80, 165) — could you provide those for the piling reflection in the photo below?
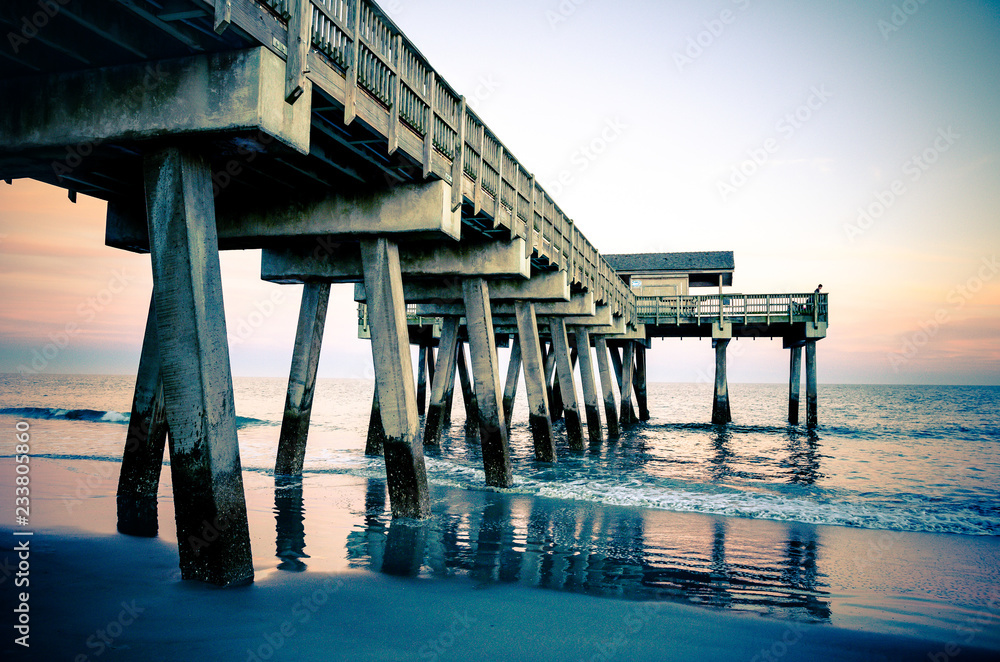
point(803, 457)
point(598, 550)
point(289, 515)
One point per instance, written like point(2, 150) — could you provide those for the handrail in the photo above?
point(740, 308)
point(360, 43)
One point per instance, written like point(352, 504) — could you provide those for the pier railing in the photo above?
point(363, 60)
point(740, 308)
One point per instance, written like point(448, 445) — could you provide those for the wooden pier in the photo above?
point(316, 131)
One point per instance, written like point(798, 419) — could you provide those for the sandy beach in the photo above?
point(99, 595)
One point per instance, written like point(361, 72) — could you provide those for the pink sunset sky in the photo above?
point(820, 143)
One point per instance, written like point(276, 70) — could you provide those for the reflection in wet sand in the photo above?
point(604, 551)
point(289, 514)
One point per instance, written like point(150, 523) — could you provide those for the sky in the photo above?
point(853, 144)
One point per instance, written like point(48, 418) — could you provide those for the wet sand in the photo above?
point(335, 579)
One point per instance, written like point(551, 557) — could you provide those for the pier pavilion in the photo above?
point(317, 131)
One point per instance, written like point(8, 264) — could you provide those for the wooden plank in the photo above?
point(351, 82)
point(223, 15)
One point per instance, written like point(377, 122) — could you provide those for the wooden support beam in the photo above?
point(486, 374)
point(458, 163)
point(720, 403)
point(812, 417)
point(443, 382)
point(351, 76)
point(404, 456)
point(510, 387)
point(567, 389)
point(534, 382)
point(209, 503)
point(794, 383)
point(302, 380)
point(589, 386)
point(299, 41)
point(142, 459)
point(223, 15)
point(627, 363)
point(607, 389)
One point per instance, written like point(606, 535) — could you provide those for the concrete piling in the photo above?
point(720, 404)
point(534, 382)
point(639, 381)
point(552, 385)
point(510, 387)
point(421, 378)
point(302, 379)
point(794, 383)
point(468, 392)
point(443, 382)
point(144, 443)
point(567, 388)
point(404, 456)
point(811, 405)
point(212, 533)
point(589, 386)
point(607, 389)
point(486, 375)
point(628, 362)
point(375, 442)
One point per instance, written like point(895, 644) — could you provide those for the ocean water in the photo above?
point(897, 458)
point(886, 466)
